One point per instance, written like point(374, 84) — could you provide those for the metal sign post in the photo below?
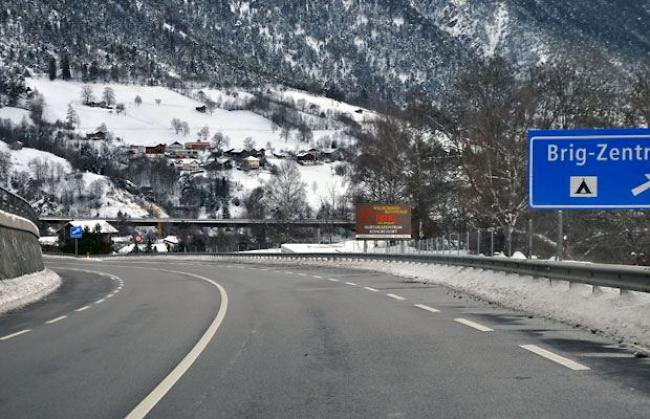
point(76, 233)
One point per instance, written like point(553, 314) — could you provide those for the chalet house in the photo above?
point(16, 145)
point(332, 155)
point(99, 135)
point(250, 163)
point(219, 163)
point(280, 155)
point(198, 145)
point(202, 109)
point(240, 154)
point(175, 146)
point(309, 157)
point(187, 165)
point(155, 151)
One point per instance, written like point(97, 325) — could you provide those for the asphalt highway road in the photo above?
point(198, 339)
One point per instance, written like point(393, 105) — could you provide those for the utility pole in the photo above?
point(560, 235)
point(530, 238)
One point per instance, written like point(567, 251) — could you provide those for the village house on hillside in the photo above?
point(250, 163)
point(155, 151)
point(198, 145)
point(99, 135)
point(309, 157)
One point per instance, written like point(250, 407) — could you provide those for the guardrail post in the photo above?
point(478, 242)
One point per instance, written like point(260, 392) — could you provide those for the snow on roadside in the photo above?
point(623, 317)
point(18, 292)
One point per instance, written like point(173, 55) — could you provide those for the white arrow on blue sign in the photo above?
point(76, 232)
point(589, 169)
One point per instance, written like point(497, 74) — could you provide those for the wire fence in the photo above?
point(16, 205)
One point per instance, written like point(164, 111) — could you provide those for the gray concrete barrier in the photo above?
point(20, 252)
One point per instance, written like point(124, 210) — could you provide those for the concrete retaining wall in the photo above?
point(20, 252)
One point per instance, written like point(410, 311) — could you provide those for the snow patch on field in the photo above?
point(18, 292)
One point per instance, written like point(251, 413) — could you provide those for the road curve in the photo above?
point(297, 342)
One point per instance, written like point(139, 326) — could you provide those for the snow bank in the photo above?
point(623, 317)
point(27, 289)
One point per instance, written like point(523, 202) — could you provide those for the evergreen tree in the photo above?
point(72, 118)
point(65, 68)
point(51, 68)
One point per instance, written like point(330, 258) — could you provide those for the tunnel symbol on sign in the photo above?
point(584, 186)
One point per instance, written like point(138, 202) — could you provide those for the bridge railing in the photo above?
point(626, 278)
point(16, 205)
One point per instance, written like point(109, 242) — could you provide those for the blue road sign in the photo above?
point(76, 232)
point(589, 169)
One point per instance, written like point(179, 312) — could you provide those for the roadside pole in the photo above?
point(478, 242)
point(560, 235)
point(76, 247)
point(530, 238)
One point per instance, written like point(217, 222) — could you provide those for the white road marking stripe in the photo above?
point(333, 280)
point(302, 274)
point(351, 283)
point(145, 406)
point(572, 365)
point(83, 308)
point(13, 335)
point(371, 289)
point(396, 297)
point(288, 273)
point(58, 319)
point(474, 325)
point(100, 301)
point(318, 277)
point(427, 308)
point(109, 296)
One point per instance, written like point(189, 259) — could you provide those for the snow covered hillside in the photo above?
point(148, 122)
point(65, 192)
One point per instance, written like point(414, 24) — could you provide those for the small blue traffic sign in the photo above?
point(76, 232)
point(589, 169)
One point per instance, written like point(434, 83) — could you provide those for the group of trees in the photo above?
point(462, 162)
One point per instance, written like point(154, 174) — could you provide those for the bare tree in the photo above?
point(284, 194)
point(204, 133)
point(87, 95)
point(219, 141)
point(108, 96)
point(177, 125)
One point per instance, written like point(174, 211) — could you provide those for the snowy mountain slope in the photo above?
point(61, 191)
point(363, 50)
point(150, 124)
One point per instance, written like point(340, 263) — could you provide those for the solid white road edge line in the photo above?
point(427, 308)
point(474, 325)
point(83, 308)
point(13, 335)
point(58, 319)
point(396, 297)
point(146, 405)
point(371, 289)
point(572, 365)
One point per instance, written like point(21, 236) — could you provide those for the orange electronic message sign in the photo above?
point(383, 221)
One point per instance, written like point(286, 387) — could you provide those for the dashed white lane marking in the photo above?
point(333, 280)
point(474, 325)
point(83, 308)
point(302, 274)
point(427, 308)
point(58, 319)
point(288, 272)
point(100, 301)
point(572, 365)
point(396, 297)
point(13, 335)
point(317, 276)
point(351, 283)
point(371, 289)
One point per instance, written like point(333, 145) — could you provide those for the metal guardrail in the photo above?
point(16, 205)
point(630, 278)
